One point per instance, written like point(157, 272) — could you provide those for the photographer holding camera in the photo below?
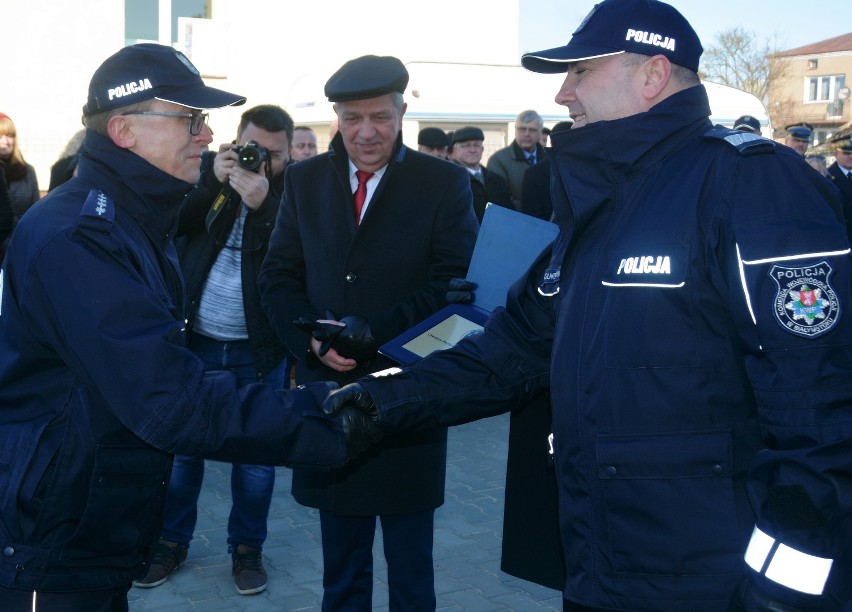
point(222, 237)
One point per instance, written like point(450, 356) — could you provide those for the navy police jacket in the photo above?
point(690, 321)
point(97, 389)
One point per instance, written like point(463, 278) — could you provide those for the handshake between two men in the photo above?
point(351, 337)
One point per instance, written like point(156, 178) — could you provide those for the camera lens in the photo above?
point(250, 158)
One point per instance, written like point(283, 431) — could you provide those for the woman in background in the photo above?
point(20, 176)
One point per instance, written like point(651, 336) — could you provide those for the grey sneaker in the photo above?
point(247, 568)
point(167, 558)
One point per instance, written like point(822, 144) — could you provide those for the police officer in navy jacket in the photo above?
point(380, 271)
point(690, 322)
point(97, 387)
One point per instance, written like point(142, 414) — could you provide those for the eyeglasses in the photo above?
point(469, 145)
point(197, 121)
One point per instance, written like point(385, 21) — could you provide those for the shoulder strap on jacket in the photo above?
point(744, 142)
point(98, 212)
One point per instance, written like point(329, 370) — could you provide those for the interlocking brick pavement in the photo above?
point(468, 530)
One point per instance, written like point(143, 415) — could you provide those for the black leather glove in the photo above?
point(323, 330)
point(460, 291)
point(355, 340)
point(360, 431)
point(350, 336)
point(353, 395)
point(747, 597)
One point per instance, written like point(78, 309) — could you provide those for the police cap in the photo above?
point(800, 131)
point(646, 27)
point(747, 123)
point(843, 143)
point(467, 133)
point(369, 76)
point(433, 137)
point(147, 70)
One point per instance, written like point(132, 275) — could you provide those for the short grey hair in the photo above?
point(682, 75)
point(99, 122)
point(530, 116)
point(396, 100)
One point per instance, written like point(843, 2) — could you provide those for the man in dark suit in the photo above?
point(536, 186)
point(485, 185)
point(840, 173)
point(369, 234)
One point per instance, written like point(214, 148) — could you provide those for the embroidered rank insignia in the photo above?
point(805, 304)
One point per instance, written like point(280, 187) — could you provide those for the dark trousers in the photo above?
point(347, 548)
point(108, 600)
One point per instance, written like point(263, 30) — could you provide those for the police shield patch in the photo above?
point(805, 304)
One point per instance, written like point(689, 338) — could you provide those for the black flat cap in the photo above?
point(468, 133)
point(365, 77)
point(433, 137)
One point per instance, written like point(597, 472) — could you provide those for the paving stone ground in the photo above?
point(468, 530)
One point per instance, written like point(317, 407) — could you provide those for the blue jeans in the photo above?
point(251, 485)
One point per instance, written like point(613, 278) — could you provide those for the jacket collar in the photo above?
point(149, 195)
point(627, 145)
point(540, 152)
point(592, 159)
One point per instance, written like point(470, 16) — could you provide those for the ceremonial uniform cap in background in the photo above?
point(800, 131)
point(843, 143)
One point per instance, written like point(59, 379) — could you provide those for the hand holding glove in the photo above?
point(355, 340)
point(350, 336)
point(324, 330)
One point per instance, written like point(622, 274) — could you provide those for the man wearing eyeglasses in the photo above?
point(485, 185)
point(222, 238)
point(97, 387)
point(510, 163)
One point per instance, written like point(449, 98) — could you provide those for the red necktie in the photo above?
point(361, 193)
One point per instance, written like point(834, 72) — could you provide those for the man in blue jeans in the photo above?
point(223, 233)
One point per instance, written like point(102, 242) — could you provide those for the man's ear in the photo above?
point(121, 132)
point(657, 73)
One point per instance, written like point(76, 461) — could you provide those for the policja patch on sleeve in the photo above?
point(805, 303)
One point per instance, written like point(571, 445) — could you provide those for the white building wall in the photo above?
point(52, 47)
point(263, 49)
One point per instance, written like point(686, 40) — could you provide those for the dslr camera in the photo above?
point(251, 155)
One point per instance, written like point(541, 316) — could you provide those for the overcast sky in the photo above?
point(792, 23)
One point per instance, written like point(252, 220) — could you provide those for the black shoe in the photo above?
point(249, 575)
point(167, 558)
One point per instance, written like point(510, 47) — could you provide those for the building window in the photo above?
point(142, 18)
point(823, 88)
point(812, 64)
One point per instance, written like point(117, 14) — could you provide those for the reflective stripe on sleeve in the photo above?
point(787, 566)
